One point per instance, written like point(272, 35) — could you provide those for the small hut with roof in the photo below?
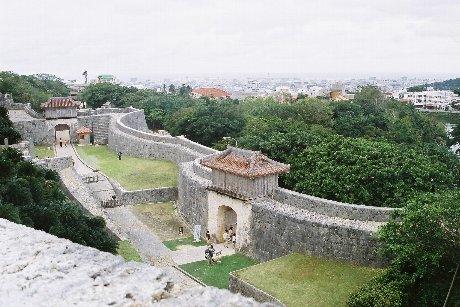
point(84, 136)
point(243, 174)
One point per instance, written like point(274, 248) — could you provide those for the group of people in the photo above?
point(229, 238)
point(60, 142)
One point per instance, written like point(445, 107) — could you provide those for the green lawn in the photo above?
point(41, 151)
point(300, 280)
point(217, 275)
point(132, 173)
point(185, 241)
point(128, 252)
point(161, 220)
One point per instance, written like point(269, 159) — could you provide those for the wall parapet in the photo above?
point(155, 195)
point(56, 163)
point(331, 207)
point(237, 285)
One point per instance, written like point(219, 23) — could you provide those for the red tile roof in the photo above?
point(61, 102)
point(83, 130)
point(211, 92)
point(244, 163)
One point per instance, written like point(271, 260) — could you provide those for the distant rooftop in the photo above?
point(211, 92)
point(106, 77)
point(83, 130)
point(245, 163)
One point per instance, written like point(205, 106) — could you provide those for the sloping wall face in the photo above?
point(282, 229)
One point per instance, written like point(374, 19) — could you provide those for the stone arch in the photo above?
point(224, 210)
point(61, 131)
point(226, 218)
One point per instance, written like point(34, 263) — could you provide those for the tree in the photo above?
point(172, 89)
point(95, 95)
point(207, 123)
point(423, 239)
point(32, 196)
point(367, 172)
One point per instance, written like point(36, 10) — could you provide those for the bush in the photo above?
point(32, 196)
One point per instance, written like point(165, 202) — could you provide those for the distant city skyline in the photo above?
point(315, 39)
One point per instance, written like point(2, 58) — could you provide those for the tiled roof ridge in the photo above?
point(244, 163)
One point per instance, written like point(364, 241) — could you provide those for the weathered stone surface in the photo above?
point(237, 285)
point(38, 269)
point(57, 163)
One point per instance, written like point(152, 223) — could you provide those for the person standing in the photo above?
point(226, 238)
point(208, 236)
point(65, 143)
point(60, 142)
point(234, 240)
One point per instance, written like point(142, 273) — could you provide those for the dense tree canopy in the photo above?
point(6, 128)
point(31, 196)
point(377, 173)
point(424, 241)
point(33, 89)
point(95, 95)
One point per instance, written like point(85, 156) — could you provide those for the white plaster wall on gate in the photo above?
point(220, 215)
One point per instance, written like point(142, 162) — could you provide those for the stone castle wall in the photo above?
point(281, 229)
point(332, 208)
point(145, 196)
point(56, 272)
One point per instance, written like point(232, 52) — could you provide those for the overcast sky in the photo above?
point(189, 37)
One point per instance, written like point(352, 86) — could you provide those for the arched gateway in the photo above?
point(238, 176)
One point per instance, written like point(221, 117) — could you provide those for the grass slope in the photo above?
point(41, 151)
point(132, 173)
point(217, 275)
point(300, 280)
point(128, 252)
point(161, 220)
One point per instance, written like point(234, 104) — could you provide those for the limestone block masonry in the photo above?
point(56, 272)
point(145, 196)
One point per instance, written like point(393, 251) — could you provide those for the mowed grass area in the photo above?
point(42, 151)
point(216, 275)
point(161, 220)
point(132, 173)
point(183, 242)
point(300, 280)
point(128, 252)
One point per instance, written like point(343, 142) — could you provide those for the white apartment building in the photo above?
point(436, 100)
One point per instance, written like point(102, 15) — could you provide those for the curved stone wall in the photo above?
point(332, 208)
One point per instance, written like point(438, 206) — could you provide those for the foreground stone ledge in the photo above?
point(38, 269)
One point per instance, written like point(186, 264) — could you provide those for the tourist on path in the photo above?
point(60, 142)
point(227, 238)
point(234, 240)
point(208, 236)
